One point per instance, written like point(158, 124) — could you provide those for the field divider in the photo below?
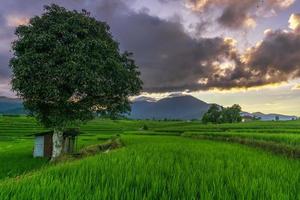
point(270, 146)
point(111, 144)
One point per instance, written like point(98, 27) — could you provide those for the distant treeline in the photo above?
point(217, 114)
point(12, 115)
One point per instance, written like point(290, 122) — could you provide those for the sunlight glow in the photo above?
point(294, 21)
point(14, 21)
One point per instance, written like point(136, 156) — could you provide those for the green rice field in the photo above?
point(165, 160)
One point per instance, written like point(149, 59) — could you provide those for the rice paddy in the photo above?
point(168, 160)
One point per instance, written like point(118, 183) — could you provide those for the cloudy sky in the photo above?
point(221, 51)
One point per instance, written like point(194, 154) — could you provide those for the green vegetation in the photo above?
point(217, 114)
point(16, 157)
point(166, 160)
point(68, 72)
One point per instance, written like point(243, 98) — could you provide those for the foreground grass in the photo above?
point(16, 154)
point(160, 166)
point(16, 147)
point(16, 158)
point(156, 167)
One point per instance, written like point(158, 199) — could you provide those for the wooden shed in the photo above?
point(43, 143)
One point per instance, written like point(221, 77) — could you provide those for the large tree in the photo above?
point(66, 67)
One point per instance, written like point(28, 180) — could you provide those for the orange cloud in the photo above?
point(14, 21)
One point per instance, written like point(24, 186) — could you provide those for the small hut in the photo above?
point(43, 143)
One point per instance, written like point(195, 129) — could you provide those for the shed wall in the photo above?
point(48, 145)
point(38, 146)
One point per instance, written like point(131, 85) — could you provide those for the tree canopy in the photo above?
point(218, 114)
point(213, 114)
point(67, 66)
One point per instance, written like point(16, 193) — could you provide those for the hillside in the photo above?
point(179, 107)
point(173, 107)
point(11, 106)
point(270, 117)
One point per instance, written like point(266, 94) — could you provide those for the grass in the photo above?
point(16, 158)
point(164, 168)
point(267, 145)
point(285, 138)
point(157, 163)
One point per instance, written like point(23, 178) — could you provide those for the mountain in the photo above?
point(11, 106)
point(143, 98)
point(173, 107)
point(183, 107)
point(270, 117)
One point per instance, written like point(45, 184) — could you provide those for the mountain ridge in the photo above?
point(179, 107)
point(270, 116)
point(176, 107)
point(11, 106)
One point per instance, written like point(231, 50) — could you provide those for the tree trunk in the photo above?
point(57, 139)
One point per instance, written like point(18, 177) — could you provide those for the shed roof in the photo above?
point(68, 132)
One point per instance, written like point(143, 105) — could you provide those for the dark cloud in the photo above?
point(168, 57)
point(172, 60)
point(274, 60)
point(10, 12)
point(277, 58)
point(237, 14)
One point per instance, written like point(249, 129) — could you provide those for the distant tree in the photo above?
point(212, 115)
point(256, 118)
point(217, 114)
point(276, 118)
point(231, 114)
point(66, 67)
